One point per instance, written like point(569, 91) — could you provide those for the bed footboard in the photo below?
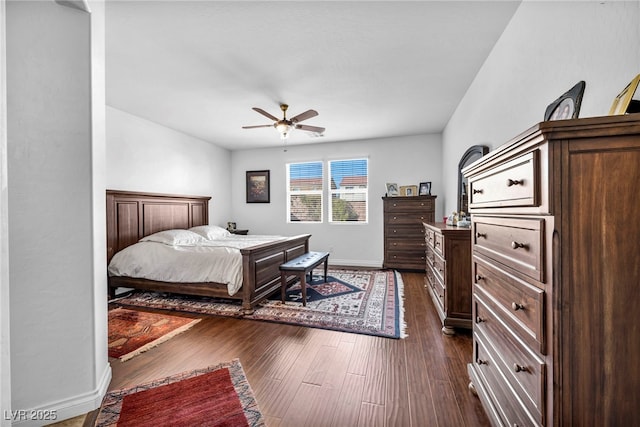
point(261, 268)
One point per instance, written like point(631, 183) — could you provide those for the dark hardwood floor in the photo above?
point(313, 377)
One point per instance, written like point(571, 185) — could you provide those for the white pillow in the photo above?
point(210, 232)
point(175, 237)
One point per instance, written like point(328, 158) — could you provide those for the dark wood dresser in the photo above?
point(404, 245)
point(448, 279)
point(556, 265)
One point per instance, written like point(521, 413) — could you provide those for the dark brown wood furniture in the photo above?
point(448, 279)
point(132, 216)
point(404, 245)
point(300, 267)
point(556, 265)
point(239, 232)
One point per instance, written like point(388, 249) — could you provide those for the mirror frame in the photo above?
point(471, 155)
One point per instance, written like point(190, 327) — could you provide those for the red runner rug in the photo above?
point(215, 396)
point(132, 332)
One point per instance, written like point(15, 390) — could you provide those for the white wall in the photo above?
point(404, 160)
point(145, 156)
point(546, 49)
point(5, 354)
point(54, 334)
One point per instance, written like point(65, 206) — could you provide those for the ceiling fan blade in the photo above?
point(304, 116)
point(310, 128)
point(257, 126)
point(264, 113)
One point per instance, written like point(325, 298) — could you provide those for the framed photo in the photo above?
point(258, 187)
point(567, 106)
point(392, 189)
point(409, 190)
point(624, 102)
point(425, 189)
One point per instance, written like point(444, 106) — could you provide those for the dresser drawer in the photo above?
point(521, 368)
point(406, 205)
point(438, 244)
point(502, 396)
point(429, 236)
point(520, 304)
point(414, 218)
point(404, 230)
point(411, 258)
point(430, 255)
point(439, 266)
point(514, 242)
point(438, 290)
point(513, 183)
point(407, 243)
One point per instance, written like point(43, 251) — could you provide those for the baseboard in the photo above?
point(66, 408)
point(354, 263)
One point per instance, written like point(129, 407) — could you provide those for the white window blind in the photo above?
point(348, 187)
point(304, 192)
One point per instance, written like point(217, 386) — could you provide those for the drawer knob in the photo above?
point(517, 245)
point(477, 191)
point(481, 235)
point(519, 368)
point(479, 277)
point(395, 244)
point(515, 306)
point(511, 182)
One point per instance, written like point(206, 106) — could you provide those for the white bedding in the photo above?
point(216, 260)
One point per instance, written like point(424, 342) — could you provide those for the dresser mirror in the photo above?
point(471, 155)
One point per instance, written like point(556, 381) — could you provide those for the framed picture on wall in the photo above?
point(258, 190)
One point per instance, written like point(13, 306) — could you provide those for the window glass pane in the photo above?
point(306, 208)
point(349, 190)
point(304, 192)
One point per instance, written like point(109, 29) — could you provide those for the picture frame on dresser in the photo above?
point(408, 190)
point(392, 189)
point(567, 106)
point(624, 102)
point(424, 189)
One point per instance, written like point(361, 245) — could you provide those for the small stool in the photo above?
point(300, 266)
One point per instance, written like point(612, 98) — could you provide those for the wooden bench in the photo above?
point(300, 266)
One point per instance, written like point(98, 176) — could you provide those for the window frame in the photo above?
point(331, 192)
point(290, 193)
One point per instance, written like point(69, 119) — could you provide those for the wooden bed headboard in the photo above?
point(132, 215)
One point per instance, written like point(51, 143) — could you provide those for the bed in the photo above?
point(132, 216)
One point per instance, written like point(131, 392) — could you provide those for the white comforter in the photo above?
point(209, 261)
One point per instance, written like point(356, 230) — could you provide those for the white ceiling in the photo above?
point(370, 69)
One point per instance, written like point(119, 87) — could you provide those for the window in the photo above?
point(348, 187)
point(304, 192)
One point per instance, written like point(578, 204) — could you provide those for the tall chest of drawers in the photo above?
point(556, 275)
point(404, 244)
point(448, 276)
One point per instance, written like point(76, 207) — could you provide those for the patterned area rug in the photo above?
point(215, 396)
point(359, 301)
point(132, 332)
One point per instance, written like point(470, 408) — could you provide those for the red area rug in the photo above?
point(132, 332)
point(359, 301)
point(215, 396)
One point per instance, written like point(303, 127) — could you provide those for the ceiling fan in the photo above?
point(284, 125)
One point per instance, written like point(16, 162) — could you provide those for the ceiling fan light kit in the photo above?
point(284, 126)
